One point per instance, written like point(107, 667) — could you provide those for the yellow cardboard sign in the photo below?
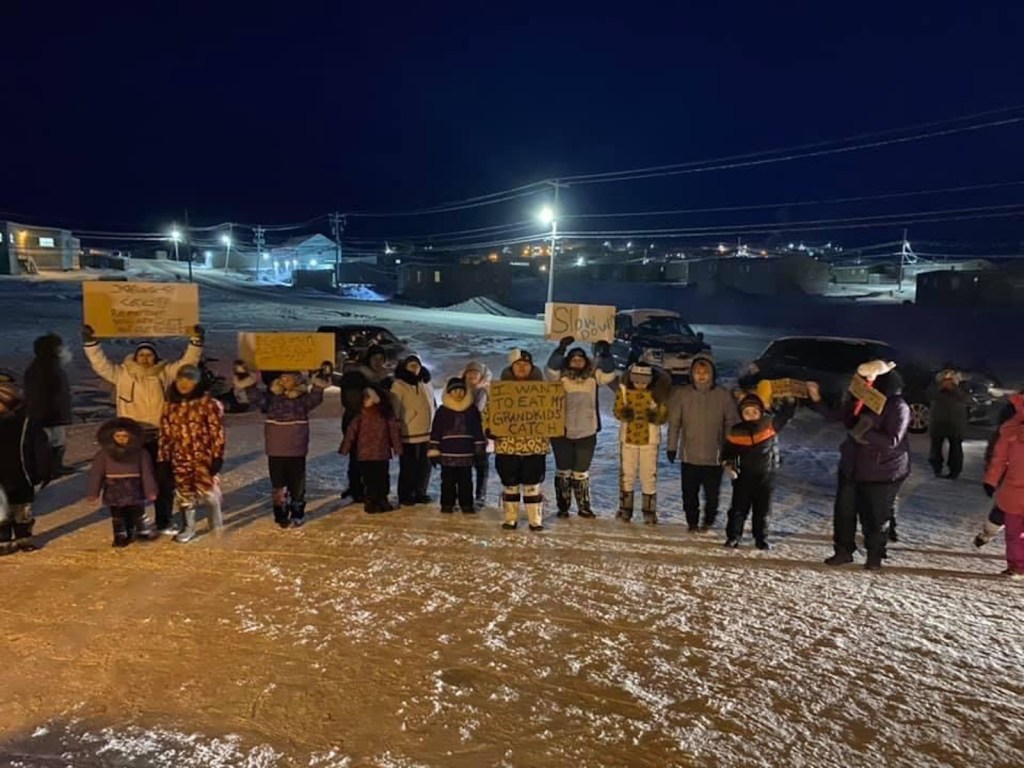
point(147, 310)
point(789, 388)
point(584, 322)
point(286, 351)
point(873, 399)
point(526, 409)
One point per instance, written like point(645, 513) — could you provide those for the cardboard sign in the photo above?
point(789, 388)
point(584, 322)
point(148, 310)
point(526, 409)
point(873, 399)
point(286, 351)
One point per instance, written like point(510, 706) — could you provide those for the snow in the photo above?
point(412, 639)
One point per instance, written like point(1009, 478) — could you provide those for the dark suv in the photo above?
point(657, 337)
point(351, 343)
point(832, 361)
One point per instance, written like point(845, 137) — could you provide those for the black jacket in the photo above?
point(24, 456)
point(753, 446)
point(949, 413)
point(48, 392)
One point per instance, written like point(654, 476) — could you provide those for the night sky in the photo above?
point(122, 117)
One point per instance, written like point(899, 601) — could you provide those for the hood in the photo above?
point(588, 369)
point(136, 371)
point(485, 373)
point(703, 358)
point(174, 396)
point(404, 374)
point(105, 438)
point(890, 384)
point(48, 346)
point(374, 349)
point(457, 405)
point(277, 387)
point(535, 375)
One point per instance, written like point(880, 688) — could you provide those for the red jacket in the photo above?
point(1006, 469)
point(374, 436)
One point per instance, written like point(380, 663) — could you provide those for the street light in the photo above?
point(548, 216)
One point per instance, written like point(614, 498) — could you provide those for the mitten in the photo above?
point(989, 490)
point(627, 414)
point(671, 457)
point(216, 465)
point(198, 334)
point(88, 334)
point(565, 342)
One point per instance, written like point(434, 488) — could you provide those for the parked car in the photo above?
point(351, 343)
point(658, 337)
point(832, 361)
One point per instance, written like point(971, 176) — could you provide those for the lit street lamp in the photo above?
point(176, 237)
point(226, 239)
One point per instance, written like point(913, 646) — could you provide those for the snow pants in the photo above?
point(288, 487)
point(457, 485)
point(413, 473)
point(521, 479)
point(128, 523)
point(1015, 543)
point(642, 460)
point(872, 505)
point(955, 458)
point(376, 477)
point(695, 477)
point(573, 458)
point(751, 492)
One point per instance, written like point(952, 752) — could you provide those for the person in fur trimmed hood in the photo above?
point(122, 473)
point(413, 401)
point(288, 403)
point(478, 384)
point(25, 462)
point(521, 461)
point(456, 438)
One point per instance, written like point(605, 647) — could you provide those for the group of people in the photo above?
point(167, 444)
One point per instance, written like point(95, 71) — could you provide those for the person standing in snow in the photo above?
point(948, 422)
point(521, 462)
point(874, 461)
point(374, 437)
point(1004, 482)
point(141, 383)
point(413, 400)
point(122, 474)
point(996, 518)
point(356, 376)
point(478, 384)
point(288, 403)
point(48, 395)
point(700, 415)
point(574, 451)
point(192, 442)
point(640, 417)
point(456, 438)
point(25, 462)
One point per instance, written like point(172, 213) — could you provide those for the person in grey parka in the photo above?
point(700, 415)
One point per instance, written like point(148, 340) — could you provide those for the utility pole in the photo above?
point(904, 252)
point(554, 238)
point(338, 226)
point(227, 245)
point(258, 239)
point(188, 247)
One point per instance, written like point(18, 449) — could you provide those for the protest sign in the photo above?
point(286, 351)
point(873, 399)
point(584, 322)
point(147, 310)
point(526, 409)
point(789, 388)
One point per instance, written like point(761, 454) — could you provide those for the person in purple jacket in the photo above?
point(288, 402)
point(122, 472)
point(874, 461)
point(456, 439)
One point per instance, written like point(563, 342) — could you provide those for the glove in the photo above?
point(566, 342)
point(217, 465)
point(989, 490)
point(731, 471)
point(326, 369)
point(671, 457)
point(199, 333)
point(88, 334)
point(602, 349)
point(627, 414)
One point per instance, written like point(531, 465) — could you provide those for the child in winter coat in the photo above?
point(374, 437)
point(25, 462)
point(413, 401)
point(192, 440)
point(456, 438)
point(1004, 482)
point(288, 403)
point(478, 384)
point(948, 422)
point(996, 518)
point(122, 473)
point(640, 417)
point(358, 374)
point(751, 456)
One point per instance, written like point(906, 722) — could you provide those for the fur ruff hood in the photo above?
point(404, 374)
point(136, 371)
point(459, 406)
point(486, 377)
point(277, 388)
point(105, 438)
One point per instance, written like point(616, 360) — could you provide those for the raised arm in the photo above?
point(105, 369)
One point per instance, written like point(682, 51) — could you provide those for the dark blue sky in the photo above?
point(127, 116)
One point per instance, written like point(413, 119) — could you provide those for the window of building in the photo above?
point(46, 242)
point(437, 277)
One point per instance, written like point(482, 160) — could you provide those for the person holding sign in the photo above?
point(521, 461)
point(413, 401)
point(640, 417)
point(140, 383)
point(574, 452)
point(874, 460)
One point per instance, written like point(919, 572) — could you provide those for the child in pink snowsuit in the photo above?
point(1004, 479)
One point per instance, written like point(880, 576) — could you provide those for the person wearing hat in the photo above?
point(456, 438)
point(874, 461)
point(48, 395)
point(521, 462)
point(640, 418)
point(701, 413)
point(574, 451)
point(948, 422)
point(192, 442)
point(356, 376)
point(413, 399)
point(373, 436)
point(478, 384)
point(25, 462)
point(141, 382)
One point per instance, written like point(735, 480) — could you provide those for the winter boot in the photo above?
point(533, 500)
point(142, 529)
point(763, 545)
point(892, 530)
point(841, 557)
point(626, 503)
point(650, 506)
point(281, 515)
point(214, 513)
point(297, 510)
point(510, 505)
point(986, 534)
point(581, 487)
point(122, 536)
point(874, 561)
point(188, 530)
point(23, 525)
point(563, 493)
point(482, 471)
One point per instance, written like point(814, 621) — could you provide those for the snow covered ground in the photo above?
point(412, 639)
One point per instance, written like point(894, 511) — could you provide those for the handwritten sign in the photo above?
point(584, 322)
point(526, 409)
point(789, 388)
point(873, 399)
point(286, 351)
point(140, 309)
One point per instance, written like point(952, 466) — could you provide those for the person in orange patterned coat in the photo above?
point(192, 441)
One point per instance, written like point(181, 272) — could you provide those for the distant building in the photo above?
point(25, 249)
point(773, 276)
point(979, 288)
point(441, 285)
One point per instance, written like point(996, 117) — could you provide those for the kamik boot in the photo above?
point(563, 493)
point(650, 505)
point(581, 487)
point(626, 504)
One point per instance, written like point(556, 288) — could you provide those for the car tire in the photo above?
point(920, 417)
